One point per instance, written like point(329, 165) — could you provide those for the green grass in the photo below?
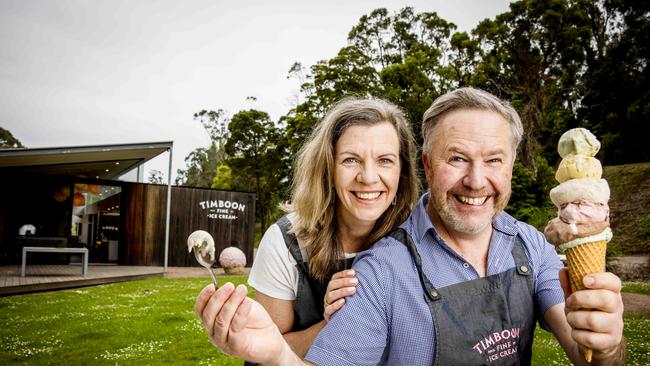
point(151, 322)
point(148, 322)
point(637, 287)
point(547, 351)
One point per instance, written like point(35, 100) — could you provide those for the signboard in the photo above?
point(223, 209)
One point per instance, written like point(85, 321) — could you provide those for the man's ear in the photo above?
point(427, 166)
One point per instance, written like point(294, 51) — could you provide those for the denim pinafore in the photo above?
point(486, 321)
point(308, 306)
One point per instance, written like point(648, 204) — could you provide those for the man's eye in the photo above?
point(495, 161)
point(457, 158)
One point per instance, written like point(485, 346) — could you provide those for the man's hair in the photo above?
point(313, 193)
point(470, 99)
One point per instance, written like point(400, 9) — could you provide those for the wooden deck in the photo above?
point(40, 278)
point(56, 277)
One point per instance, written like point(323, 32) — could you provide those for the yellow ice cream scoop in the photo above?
point(578, 141)
point(578, 166)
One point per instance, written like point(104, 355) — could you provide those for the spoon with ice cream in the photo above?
point(202, 244)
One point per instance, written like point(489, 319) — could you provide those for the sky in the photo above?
point(91, 72)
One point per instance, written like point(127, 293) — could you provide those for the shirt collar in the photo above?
point(420, 222)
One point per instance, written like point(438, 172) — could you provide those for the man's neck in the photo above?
point(473, 248)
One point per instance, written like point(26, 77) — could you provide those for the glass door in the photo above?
point(96, 220)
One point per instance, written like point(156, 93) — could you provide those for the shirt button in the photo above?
point(524, 269)
point(466, 265)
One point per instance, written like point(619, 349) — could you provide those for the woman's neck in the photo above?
point(353, 239)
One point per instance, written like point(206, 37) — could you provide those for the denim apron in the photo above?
point(486, 321)
point(308, 306)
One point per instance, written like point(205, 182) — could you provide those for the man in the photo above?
point(461, 283)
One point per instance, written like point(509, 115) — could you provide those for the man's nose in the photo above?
point(475, 177)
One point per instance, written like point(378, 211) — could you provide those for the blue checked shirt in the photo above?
point(387, 320)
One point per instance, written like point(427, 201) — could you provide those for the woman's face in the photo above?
point(366, 173)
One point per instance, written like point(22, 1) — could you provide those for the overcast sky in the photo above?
point(91, 72)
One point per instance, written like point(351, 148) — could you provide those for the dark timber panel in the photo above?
point(228, 216)
point(143, 216)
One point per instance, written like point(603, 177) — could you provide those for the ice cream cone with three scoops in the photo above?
point(581, 230)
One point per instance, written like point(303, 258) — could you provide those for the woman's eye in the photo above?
point(385, 161)
point(349, 161)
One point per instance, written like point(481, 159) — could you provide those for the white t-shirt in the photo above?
point(274, 271)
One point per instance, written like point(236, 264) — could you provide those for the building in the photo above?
point(78, 197)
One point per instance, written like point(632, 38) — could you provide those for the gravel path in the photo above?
point(636, 303)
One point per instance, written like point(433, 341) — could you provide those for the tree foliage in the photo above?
point(201, 164)
point(561, 63)
point(156, 177)
point(8, 141)
point(223, 178)
point(257, 156)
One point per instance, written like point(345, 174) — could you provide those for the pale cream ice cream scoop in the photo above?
point(585, 189)
point(578, 141)
point(578, 166)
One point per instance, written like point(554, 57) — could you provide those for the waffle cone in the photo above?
point(585, 259)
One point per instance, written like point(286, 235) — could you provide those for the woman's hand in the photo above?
point(342, 285)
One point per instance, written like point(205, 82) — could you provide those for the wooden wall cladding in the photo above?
point(143, 222)
point(228, 216)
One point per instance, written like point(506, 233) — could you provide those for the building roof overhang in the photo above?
point(97, 161)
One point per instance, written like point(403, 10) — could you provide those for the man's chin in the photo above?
point(468, 227)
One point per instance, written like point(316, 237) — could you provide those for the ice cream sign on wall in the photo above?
point(222, 210)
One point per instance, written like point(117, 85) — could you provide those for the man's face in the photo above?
point(469, 170)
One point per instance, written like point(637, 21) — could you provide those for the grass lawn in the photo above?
point(150, 322)
point(637, 287)
point(147, 322)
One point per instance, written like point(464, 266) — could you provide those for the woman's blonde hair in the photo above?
point(313, 192)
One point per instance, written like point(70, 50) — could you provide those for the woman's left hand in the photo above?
point(342, 285)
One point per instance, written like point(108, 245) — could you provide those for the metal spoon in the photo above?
point(202, 244)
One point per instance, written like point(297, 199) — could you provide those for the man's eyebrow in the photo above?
point(455, 149)
point(497, 151)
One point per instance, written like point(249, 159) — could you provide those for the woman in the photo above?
point(355, 180)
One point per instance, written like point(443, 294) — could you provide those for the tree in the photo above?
point(616, 87)
point(8, 141)
point(201, 164)
point(156, 177)
point(257, 158)
point(534, 58)
point(223, 178)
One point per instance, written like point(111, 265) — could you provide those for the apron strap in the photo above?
point(403, 237)
point(522, 264)
point(292, 242)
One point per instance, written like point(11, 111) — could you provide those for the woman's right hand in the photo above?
point(342, 285)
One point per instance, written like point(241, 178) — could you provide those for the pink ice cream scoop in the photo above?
point(581, 212)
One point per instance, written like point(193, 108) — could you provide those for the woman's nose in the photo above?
point(367, 174)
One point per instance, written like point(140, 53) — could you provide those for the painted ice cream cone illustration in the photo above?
point(581, 230)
